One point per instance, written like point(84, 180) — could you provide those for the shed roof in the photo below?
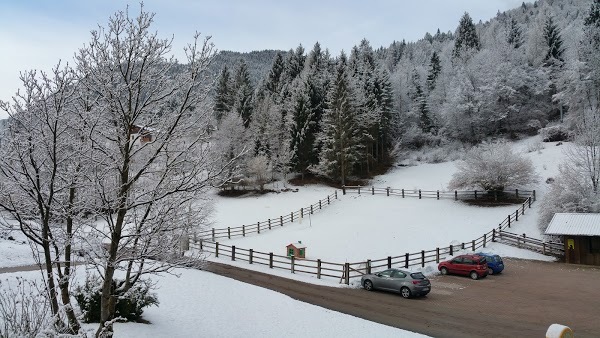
point(576, 224)
point(297, 245)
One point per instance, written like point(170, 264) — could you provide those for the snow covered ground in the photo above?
point(354, 228)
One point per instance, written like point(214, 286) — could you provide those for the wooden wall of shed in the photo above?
point(581, 253)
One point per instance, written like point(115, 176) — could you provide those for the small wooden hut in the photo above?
point(298, 250)
point(581, 236)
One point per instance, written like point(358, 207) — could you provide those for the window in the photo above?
point(399, 274)
point(386, 273)
point(301, 252)
point(417, 275)
point(594, 244)
point(468, 261)
point(458, 260)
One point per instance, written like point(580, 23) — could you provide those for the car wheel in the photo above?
point(474, 275)
point(444, 271)
point(490, 271)
point(368, 285)
point(405, 292)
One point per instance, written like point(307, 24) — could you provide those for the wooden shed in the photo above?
point(581, 236)
point(298, 250)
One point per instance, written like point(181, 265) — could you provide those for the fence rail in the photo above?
point(347, 271)
point(269, 224)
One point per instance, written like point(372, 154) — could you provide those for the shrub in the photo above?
point(129, 305)
point(555, 133)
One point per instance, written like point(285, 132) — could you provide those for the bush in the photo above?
point(129, 305)
point(555, 133)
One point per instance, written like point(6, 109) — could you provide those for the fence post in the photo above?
point(258, 227)
point(213, 234)
point(318, 269)
point(233, 252)
point(402, 193)
point(517, 193)
point(484, 239)
point(216, 249)
point(320, 205)
point(422, 258)
point(438, 194)
point(523, 212)
point(437, 255)
point(406, 258)
point(419, 193)
point(243, 231)
point(280, 220)
point(292, 264)
point(269, 223)
point(493, 235)
point(463, 246)
point(473, 245)
point(311, 209)
point(509, 221)
point(368, 266)
point(328, 202)
point(292, 216)
point(250, 259)
point(343, 190)
point(451, 250)
point(270, 260)
point(455, 195)
point(335, 194)
point(229, 232)
point(359, 189)
point(389, 262)
point(301, 212)
point(534, 195)
point(387, 190)
point(372, 190)
point(475, 194)
point(529, 201)
point(544, 248)
point(347, 273)
point(517, 215)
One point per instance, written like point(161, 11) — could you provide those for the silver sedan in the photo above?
point(408, 283)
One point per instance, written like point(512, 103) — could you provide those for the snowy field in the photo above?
point(354, 228)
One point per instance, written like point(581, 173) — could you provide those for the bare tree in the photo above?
point(39, 162)
point(150, 146)
point(493, 166)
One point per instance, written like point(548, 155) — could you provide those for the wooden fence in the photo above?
point(271, 223)
point(346, 271)
point(456, 195)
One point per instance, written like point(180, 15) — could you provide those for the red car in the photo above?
point(469, 265)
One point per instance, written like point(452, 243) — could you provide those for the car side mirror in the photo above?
point(378, 274)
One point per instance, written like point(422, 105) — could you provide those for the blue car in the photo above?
point(495, 264)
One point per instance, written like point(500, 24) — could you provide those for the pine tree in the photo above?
point(553, 40)
point(223, 95)
point(435, 68)
point(302, 142)
point(466, 37)
point(341, 146)
point(593, 18)
point(273, 82)
point(514, 37)
point(242, 89)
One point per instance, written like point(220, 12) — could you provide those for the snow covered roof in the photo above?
point(298, 245)
point(574, 224)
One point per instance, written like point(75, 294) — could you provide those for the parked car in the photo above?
point(469, 265)
point(408, 283)
point(494, 262)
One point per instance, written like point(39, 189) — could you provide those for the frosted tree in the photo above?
point(274, 78)
point(148, 129)
point(553, 41)
point(466, 39)
point(493, 166)
point(303, 139)
point(223, 95)
point(42, 164)
point(435, 67)
point(514, 36)
point(341, 142)
point(242, 93)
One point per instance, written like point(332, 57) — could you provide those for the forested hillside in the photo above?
point(349, 114)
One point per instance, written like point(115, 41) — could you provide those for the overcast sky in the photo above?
point(37, 34)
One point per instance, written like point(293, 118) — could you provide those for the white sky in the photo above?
point(37, 34)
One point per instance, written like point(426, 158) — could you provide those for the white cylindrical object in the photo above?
point(559, 331)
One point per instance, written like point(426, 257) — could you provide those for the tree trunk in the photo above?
point(64, 283)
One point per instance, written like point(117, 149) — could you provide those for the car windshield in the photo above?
point(417, 275)
point(482, 260)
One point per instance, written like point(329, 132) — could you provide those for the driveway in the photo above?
point(521, 302)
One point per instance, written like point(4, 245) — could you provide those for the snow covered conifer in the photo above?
point(435, 68)
point(242, 93)
point(466, 37)
point(553, 40)
point(223, 95)
point(302, 143)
